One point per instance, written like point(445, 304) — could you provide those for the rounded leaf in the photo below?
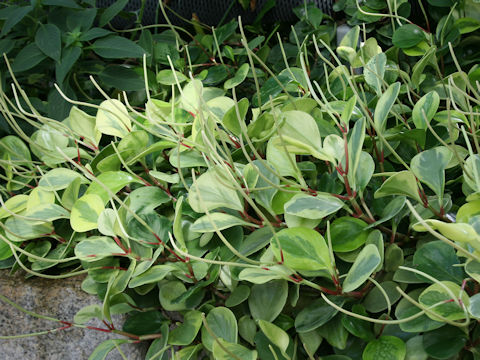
point(223, 323)
point(85, 213)
point(113, 119)
point(301, 249)
point(348, 234)
point(266, 301)
point(365, 264)
point(385, 348)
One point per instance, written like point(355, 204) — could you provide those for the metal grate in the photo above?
point(210, 11)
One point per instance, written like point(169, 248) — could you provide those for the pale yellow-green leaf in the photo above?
point(113, 119)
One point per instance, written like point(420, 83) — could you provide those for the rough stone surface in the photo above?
point(60, 299)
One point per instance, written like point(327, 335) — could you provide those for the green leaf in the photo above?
point(185, 333)
point(39, 196)
point(112, 11)
point(102, 350)
point(96, 247)
point(110, 181)
point(223, 350)
point(438, 295)
point(425, 109)
point(385, 348)
point(467, 25)
point(113, 119)
point(429, 167)
point(239, 77)
point(19, 229)
point(262, 276)
point(187, 353)
point(405, 309)
point(88, 312)
point(216, 222)
point(301, 249)
point(15, 15)
point(169, 77)
point(170, 178)
point(15, 205)
point(47, 212)
point(5, 250)
point(419, 67)
point(402, 183)
point(474, 307)
point(415, 350)
point(376, 302)
point(48, 40)
point(69, 58)
point(384, 105)
point(300, 133)
point(317, 314)
point(152, 275)
point(247, 328)
point(355, 144)
point(159, 346)
point(265, 177)
point(117, 47)
point(390, 210)
point(169, 292)
point(313, 207)
point(407, 36)
point(444, 343)
point(271, 88)
point(348, 234)
point(276, 335)
point(144, 323)
point(438, 260)
point(357, 327)
point(59, 179)
point(210, 192)
point(238, 296)
point(266, 301)
point(83, 124)
point(223, 324)
point(375, 71)
point(279, 158)
point(27, 58)
point(232, 121)
point(364, 265)
point(122, 78)
point(85, 212)
point(348, 44)
point(394, 257)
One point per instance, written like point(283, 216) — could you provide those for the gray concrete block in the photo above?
point(60, 299)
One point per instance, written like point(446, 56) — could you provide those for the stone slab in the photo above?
point(60, 299)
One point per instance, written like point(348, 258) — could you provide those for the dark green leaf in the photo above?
point(385, 348)
point(69, 58)
point(438, 260)
point(348, 234)
point(445, 342)
point(316, 314)
point(143, 323)
point(407, 36)
point(122, 78)
point(48, 40)
point(14, 16)
point(110, 12)
point(266, 301)
point(117, 47)
point(27, 58)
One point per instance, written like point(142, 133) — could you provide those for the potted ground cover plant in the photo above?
point(325, 206)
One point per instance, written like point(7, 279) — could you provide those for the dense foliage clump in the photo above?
point(285, 197)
